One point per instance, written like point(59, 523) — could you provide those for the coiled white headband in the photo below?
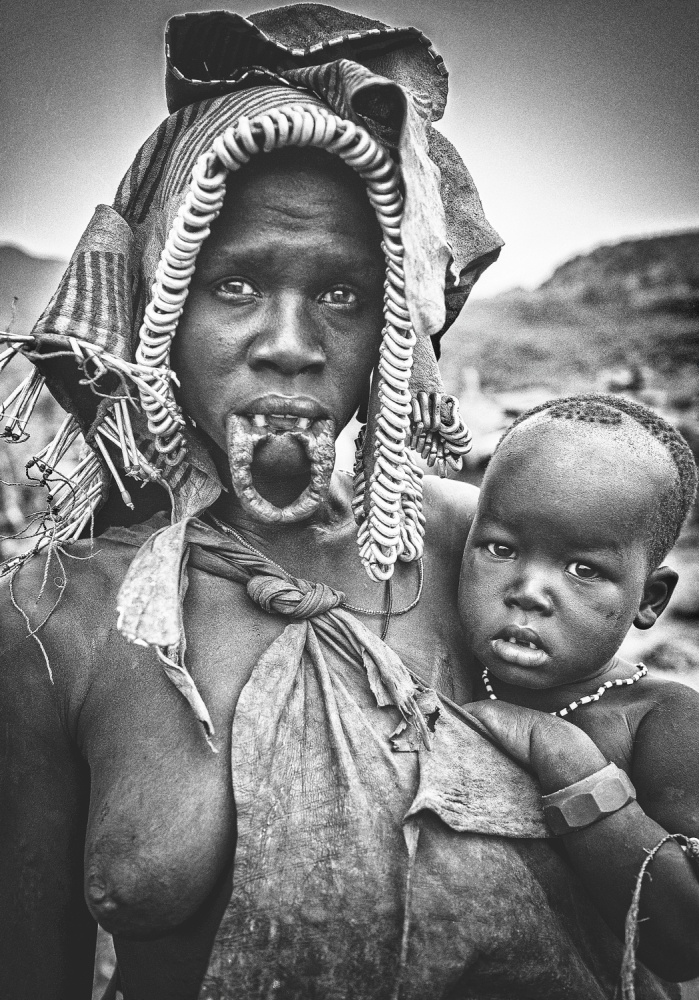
point(390, 517)
point(394, 524)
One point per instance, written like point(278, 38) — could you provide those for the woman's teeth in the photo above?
point(281, 421)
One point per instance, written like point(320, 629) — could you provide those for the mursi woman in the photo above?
point(230, 732)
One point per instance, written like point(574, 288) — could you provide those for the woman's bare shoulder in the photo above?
point(84, 571)
point(58, 608)
point(449, 509)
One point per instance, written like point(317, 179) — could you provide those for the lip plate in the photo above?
point(287, 406)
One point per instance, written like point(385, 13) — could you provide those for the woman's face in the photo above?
point(283, 320)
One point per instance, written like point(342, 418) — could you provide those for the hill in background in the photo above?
point(658, 273)
point(31, 281)
point(632, 306)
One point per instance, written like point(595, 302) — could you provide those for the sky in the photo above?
point(577, 118)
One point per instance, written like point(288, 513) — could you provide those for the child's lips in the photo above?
point(521, 656)
point(519, 645)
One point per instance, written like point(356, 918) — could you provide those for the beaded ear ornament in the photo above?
point(387, 482)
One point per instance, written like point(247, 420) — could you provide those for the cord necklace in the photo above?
point(387, 613)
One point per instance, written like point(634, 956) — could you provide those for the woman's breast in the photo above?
point(162, 822)
point(161, 826)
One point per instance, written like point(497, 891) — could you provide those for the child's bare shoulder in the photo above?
point(663, 715)
point(666, 755)
point(661, 694)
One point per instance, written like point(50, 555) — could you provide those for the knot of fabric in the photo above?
point(293, 598)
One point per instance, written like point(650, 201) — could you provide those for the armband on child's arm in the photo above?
point(589, 800)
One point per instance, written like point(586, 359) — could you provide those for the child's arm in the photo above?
point(608, 854)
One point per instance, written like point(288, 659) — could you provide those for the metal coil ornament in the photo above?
point(391, 523)
point(394, 526)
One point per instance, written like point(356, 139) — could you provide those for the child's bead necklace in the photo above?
point(586, 699)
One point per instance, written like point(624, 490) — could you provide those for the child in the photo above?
point(581, 502)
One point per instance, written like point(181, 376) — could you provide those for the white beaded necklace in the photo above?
point(586, 699)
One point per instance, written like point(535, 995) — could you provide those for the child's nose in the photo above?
point(530, 592)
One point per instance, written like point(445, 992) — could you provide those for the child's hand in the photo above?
point(555, 750)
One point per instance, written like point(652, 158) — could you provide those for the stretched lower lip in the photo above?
point(520, 656)
point(244, 435)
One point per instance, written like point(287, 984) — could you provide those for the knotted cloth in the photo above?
point(298, 599)
point(150, 611)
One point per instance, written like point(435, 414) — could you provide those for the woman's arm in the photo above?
point(608, 854)
point(452, 506)
point(46, 933)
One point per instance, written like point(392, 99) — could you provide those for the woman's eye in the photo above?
point(339, 296)
point(582, 570)
point(500, 551)
point(235, 288)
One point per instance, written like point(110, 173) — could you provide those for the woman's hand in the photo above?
point(556, 751)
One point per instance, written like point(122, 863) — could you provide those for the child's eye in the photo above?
point(235, 289)
point(500, 551)
point(582, 570)
point(339, 296)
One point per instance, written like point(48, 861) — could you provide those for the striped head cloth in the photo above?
point(306, 74)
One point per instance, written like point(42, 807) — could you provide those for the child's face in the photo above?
point(557, 555)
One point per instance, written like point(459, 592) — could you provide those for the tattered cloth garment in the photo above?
point(150, 612)
point(367, 865)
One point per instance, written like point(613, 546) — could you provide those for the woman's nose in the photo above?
point(530, 591)
point(288, 340)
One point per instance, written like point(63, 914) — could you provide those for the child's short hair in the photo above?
point(600, 408)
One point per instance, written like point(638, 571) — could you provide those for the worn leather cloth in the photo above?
point(368, 866)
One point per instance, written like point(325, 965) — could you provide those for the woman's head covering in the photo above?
point(239, 87)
